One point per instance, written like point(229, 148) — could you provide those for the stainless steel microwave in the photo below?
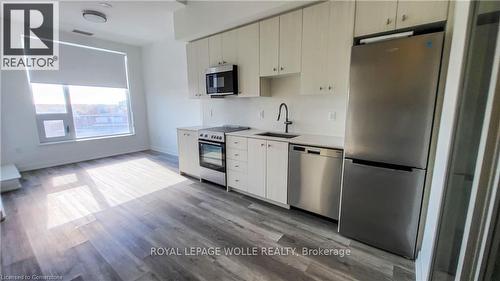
point(222, 80)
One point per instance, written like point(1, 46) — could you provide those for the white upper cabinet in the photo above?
point(277, 171)
point(375, 16)
point(249, 84)
point(269, 46)
point(340, 41)
point(314, 49)
point(381, 16)
point(290, 41)
point(229, 47)
point(197, 63)
point(326, 48)
point(257, 167)
point(411, 13)
point(192, 70)
point(202, 65)
point(215, 49)
point(280, 44)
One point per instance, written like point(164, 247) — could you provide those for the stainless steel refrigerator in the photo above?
point(393, 86)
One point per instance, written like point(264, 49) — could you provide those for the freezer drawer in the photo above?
point(392, 94)
point(381, 206)
point(314, 177)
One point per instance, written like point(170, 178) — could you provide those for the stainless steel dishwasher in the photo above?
point(314, 177)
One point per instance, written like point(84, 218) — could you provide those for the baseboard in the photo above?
point(41, 165)
point(164, 150)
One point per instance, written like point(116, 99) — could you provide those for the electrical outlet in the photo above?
point(332, 115)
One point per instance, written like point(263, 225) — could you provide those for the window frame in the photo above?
point(68, 119)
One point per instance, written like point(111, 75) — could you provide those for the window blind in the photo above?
point(85, 66)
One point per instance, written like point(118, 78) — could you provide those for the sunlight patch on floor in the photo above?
point(64, 180)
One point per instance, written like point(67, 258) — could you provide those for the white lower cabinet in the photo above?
point(268, 169)
point(189, 162)
point(257, 151)
point(277, 171)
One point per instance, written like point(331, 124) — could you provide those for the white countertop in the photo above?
point(304, 139)
point(193, 128)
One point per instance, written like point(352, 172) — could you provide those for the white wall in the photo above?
point(309, 114)
point(165, 81)
point(201, 18)
point(19, 138)
point(445, 137)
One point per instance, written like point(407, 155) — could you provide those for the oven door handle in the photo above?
point(210, 142)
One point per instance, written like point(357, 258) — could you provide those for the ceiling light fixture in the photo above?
point(106, 5)
point(94, 16)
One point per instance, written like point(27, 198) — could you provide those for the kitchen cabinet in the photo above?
point(215, 50)
point(257, 150)
point(197, 63)
point(326, 46)
point(412, 13)
point(381, 16)
point(223, 48)
point(375, 16)
point(235, 164)
point(189, 162)
point(277, 171)
point(249, 82)
point(268, 169)
point(280, 44)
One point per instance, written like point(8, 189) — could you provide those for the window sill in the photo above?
point(86, 139)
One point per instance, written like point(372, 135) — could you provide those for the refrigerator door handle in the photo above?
point(378, 165)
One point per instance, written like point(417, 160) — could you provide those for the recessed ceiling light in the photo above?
point(94, 16)
point(106, 5)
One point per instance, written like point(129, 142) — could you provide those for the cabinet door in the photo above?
point(411, 13)
point(183, 151)
point(203, 63)
point(229, 47)
point(248, 61)
point(256, 167)
point(269, 46)
point(340, 40)
point(215, 49)
point(277, 171)
point(192, 70)
point(193, 158)
point(314, 49)
point(375, 16)
point(290, 34)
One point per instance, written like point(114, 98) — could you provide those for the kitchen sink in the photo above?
point(277, 135)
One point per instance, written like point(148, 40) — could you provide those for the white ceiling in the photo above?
point(129, 22)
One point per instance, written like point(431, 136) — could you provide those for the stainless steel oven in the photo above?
point(222, 80)
point(212, 153)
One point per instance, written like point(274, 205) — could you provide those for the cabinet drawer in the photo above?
point(236, 154)
point(237, 180)
point(236, 142)
point(237, 166)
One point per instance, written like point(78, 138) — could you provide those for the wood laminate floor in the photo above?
point(98, 220)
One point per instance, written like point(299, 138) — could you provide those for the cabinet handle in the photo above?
point(320, 88)
point(236, 166)
point(218, 63)
point(235, 142)
point(282, 68)
point(268, 145)
point(330, 88)
point(261, 144)
point(236, 154)
point(389, 21)
point(236, 180)
point(274, 69)
point(404, 17)
point(223, 62)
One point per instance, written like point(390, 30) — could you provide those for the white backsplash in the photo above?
point(318, 114)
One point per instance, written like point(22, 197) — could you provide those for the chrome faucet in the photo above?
point(286, 116)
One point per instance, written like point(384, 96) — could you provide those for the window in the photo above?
point(66, 112)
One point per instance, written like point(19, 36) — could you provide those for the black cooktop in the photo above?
point(227, 128)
